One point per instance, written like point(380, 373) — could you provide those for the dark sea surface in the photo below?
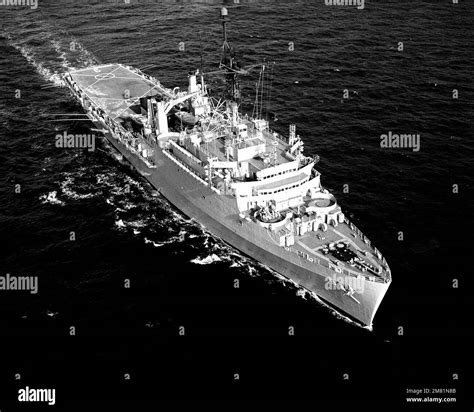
point(182, 276)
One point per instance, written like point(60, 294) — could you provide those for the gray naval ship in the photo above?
point(253, 188)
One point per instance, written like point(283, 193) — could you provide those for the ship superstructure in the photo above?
point(254, 188)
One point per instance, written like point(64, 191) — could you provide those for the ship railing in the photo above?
point(364, 238)
point(306, 160)
point(314, 173)
point(349, 272)
point(357, 231)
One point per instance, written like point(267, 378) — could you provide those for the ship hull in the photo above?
point(219, 215)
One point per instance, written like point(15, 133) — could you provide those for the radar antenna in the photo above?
point(229, 64)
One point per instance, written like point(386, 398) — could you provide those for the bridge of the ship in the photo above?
point(114, 88)
point(216, 148)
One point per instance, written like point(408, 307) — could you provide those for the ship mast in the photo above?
point(229, 64)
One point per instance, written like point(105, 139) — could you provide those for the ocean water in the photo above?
point(182, 276)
